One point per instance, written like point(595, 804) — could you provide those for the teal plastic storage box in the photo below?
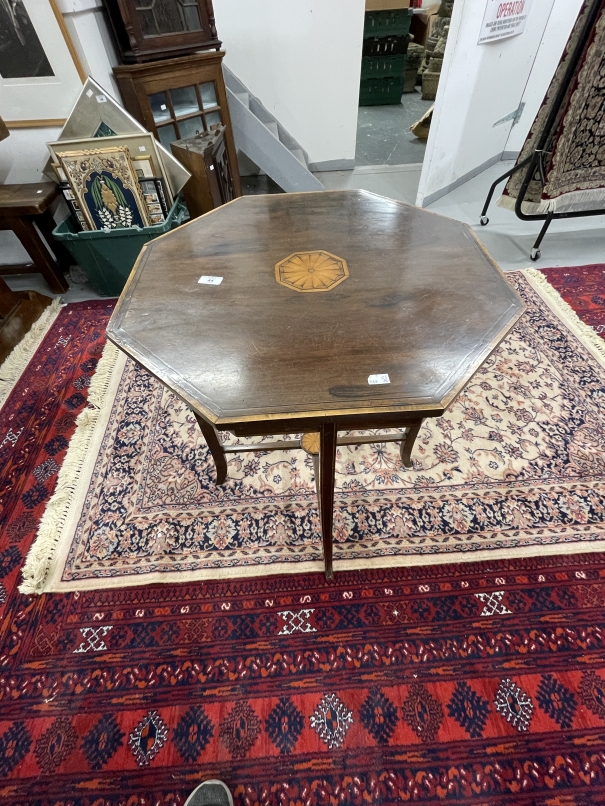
point(383, 66)
point(388, 23)
point(107, 258)
point(377, 91)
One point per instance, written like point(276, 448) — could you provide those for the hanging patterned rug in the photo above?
point(515, 468)
point(475, 683)
point(575, 146)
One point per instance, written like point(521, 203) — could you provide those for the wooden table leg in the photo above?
point(214, 446)
point(34, 245)
point(327, 469)
point(407, 444)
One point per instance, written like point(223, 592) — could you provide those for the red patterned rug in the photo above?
point(478, 683)
point(582, 287)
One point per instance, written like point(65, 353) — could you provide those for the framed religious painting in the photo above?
point(106, 187)
point(40, 73)
point(142, 148)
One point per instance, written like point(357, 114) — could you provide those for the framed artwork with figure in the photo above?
point(40, 73)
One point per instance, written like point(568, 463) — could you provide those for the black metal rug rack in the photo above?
point(534, 164)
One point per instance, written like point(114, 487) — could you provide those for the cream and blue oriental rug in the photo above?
point(515, 468)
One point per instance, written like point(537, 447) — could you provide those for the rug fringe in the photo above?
point(42, 552)
point(17, 360)
point(564, 310)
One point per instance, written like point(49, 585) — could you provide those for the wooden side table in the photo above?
point(22, 206)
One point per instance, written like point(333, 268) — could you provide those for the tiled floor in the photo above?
point(383, 132)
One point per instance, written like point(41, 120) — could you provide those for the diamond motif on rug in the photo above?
point(93, 638)
point(296, 621)
point(556, 700)
point(331, 721)
point(379, 716)
point(55, 744)
point(102, 741)
point(192, 733)
point(592, 693)
point(514, 705)
point(148, 738)
point(469, 709)
point(284, 725)
point(492, 604)
point(422, 712)
point(240, 729)
point(14, 746)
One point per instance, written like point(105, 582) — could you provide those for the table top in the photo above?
point(28, 199)
point(330, 304)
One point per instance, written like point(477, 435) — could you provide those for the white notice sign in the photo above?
point(503, 18)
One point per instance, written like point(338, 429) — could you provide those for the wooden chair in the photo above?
point(25, 210)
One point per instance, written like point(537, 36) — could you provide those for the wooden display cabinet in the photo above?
point(176, 98)
point(156, 29)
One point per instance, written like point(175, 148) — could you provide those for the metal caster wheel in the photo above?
point(535, 254)
point(484, 220)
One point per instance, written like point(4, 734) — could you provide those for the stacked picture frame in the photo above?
point(112, 172)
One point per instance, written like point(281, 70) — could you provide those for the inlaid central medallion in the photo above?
point(311, 271)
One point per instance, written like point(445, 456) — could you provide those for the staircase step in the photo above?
point(244, 97)
point(272, 126)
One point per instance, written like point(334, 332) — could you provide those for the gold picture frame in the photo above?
point(138, 145)
point(106, 188)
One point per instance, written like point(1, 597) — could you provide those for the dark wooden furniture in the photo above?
point(176, 98)
point(18, 312)
point(25, 210)
point(205, 157)
point(155, 29)
point(321, 293)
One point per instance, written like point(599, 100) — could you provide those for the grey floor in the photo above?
point(573, 242)
point(383, 132)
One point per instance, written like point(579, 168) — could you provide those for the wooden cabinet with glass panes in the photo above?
point(176, 98)
point(155, 29)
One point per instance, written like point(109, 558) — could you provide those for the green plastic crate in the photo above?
point(378, 91)
point(107, 258)
point(388, 23)
point(382, 66)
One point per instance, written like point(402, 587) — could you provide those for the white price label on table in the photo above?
point(101, 99)
point(376, 379)
point(207, 279)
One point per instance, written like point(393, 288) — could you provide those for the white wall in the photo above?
point(24, 154)
point(302, 59)
point(482, 83)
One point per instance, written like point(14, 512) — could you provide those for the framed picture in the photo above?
point(106, 187)
point(139, 145)
point(40, 73)
point(96, 114)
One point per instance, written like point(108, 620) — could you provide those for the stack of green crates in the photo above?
point(385, 43)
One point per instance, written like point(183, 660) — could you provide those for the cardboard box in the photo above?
point(419, 27)
point(386, 5)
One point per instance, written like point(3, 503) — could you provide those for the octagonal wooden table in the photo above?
point(314, 313)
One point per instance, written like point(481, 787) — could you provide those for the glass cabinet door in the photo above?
point(183, 111)
point(161, 17)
